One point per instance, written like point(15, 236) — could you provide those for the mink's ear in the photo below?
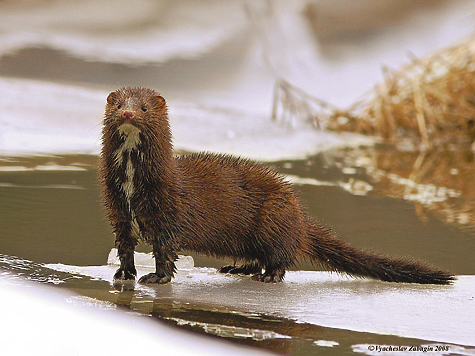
point(160, 103)
point(111, 97)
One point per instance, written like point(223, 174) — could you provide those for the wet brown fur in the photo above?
point(217, 205)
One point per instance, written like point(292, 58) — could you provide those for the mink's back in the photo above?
point(226, 171)
point(227, 180)
point(226, 202)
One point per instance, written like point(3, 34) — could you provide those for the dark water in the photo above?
point(51, 213)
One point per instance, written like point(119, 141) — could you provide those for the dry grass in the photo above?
point(431, 101)
point(291, 104)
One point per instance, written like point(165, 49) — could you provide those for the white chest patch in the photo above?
point(128, 185)
point(132, 139)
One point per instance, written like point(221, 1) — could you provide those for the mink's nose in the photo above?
point(128, 115)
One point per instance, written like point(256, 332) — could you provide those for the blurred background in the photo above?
point(216, 63)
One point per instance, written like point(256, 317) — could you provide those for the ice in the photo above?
point(40, 125)
point(254, 135)
point(52, 118)
point(146, 260)
point(326, 343)
point(427, 312)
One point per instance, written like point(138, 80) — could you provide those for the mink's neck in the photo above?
point(156, 159)
point(144, 159)
point(158, 177)
point(158, 163)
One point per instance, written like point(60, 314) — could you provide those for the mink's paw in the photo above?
point(244, 269)
point(124, 279)
point(226, 269)
point(153, 278)
point(124, 274)
point(267, 278)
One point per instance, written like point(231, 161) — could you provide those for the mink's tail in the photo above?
point(328, 250)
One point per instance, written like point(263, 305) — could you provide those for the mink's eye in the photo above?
point(144, 108)
point(119, 106)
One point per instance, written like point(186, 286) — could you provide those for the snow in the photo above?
point(273, 42)
point(44, 127)
point(57, 325)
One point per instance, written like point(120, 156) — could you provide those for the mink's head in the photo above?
point(135, 108)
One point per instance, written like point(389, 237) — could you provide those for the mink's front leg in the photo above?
point(165, 269)
point(126, 246)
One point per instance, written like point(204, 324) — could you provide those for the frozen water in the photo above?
point(428, 312)
point(279, 44)
point(146, 260)
point(50, 118)
point(40, 125)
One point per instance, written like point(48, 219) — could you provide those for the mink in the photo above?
point(215, 204)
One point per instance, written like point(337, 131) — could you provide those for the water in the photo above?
point(216, 64)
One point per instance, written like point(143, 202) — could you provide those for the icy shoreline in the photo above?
point(426, 312)
point(64, 119)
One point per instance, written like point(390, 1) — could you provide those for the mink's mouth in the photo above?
point(128, 128)
point(122, 121)
point(130, 137)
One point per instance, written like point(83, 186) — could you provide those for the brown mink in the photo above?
point(217, 205)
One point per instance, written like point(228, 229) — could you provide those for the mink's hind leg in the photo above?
point(271, 275)
point(249, 268)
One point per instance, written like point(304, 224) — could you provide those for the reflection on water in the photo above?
point(223, 323)
point(440, 183)
point(18, 268)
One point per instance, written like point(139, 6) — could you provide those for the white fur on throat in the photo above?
point(132, 139)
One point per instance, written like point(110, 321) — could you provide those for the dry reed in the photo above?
point(430, 101)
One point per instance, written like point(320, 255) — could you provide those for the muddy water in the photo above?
point(51, 213)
